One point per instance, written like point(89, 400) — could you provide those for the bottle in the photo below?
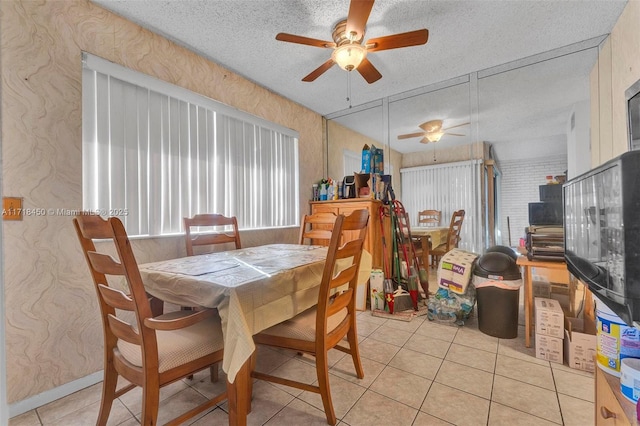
point(315, 195)
point(340, 190)
point(323, 192)
point(335, 190)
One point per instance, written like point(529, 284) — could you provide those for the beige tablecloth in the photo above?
point(437, 235)
point(253, 289)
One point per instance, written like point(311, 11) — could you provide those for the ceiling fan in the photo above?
point(432, 131)
point(349, 52)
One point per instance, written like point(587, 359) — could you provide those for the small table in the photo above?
point(527, 265)
point(429, 237)
point(253, 289)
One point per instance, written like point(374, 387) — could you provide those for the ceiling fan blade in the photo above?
point(431, 126)
point(319, 71)
point(412, 38)
point(454, 134)
point(291, 38)
point(359, 11)
point(457, 125)
point(368, 71)
point(411, 135)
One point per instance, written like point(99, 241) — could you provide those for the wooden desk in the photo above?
point(252, 289)
point(527, 265)
point(611, 407)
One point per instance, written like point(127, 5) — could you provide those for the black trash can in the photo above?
point(497, 280)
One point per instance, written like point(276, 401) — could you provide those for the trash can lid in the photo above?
point(496, 265)
point(503, 249)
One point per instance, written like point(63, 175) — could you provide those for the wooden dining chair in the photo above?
point(429, 218)
point(147, 351)
point(317, 228)
point(324, 326)
point(210, 221)
point(453, 237)
point(416, 243)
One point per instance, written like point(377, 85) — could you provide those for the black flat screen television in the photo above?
point(602, 233)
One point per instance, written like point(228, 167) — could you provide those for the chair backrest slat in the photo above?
point(210, 238)
point(124, 331)
point(317, 227)
point(105, 264)
point(116, 298)
point(429, 217)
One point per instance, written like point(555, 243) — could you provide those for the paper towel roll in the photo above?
point(630, 378)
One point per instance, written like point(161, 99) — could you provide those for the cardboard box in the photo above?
point(377, 160)
point(364, 180)
point(579, 345)
point(549, 318)
point(376, 289)
point(549, 348)
point(366, 159)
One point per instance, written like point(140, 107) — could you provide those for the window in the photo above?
point(447, 187)
point(154, 153)
point(352, 162)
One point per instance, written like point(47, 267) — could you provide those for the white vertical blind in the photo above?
point(155, 156)
point(447, 187)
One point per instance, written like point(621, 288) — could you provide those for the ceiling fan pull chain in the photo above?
point(349, 88)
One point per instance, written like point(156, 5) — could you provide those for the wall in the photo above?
point(578, 143)
point(519, 186)
point(618, 68)
point(53, 334)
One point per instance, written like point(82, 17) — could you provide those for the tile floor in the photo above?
point(416, 373)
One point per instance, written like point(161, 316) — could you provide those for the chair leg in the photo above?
point(322, 370)
point(352, 338)
point(150, 404)
point(213, 372)
point(108, 394)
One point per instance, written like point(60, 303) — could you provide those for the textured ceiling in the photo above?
point(464, 37)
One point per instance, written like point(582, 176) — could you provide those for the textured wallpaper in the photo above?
point(53, 333)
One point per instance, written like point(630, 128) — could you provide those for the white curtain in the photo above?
point(447, 187)
point(154, 153)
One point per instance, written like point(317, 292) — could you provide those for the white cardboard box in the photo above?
point(549, 318)
point(579, 347)
point(549, 348)
point(376, 289)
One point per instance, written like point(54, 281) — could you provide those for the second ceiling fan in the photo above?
point(349, 51)
point(432, 131)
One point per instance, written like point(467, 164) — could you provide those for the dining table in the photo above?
point(430, 236)
point(252, 288)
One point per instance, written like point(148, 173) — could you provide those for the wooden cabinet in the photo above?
point(373, 240)
point(611, 407)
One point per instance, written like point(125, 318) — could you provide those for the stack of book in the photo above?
point(545, 242)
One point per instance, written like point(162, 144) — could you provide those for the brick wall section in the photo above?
point(519, 187)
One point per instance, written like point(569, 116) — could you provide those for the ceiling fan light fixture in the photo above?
point(349, 56)
point(434, 136)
